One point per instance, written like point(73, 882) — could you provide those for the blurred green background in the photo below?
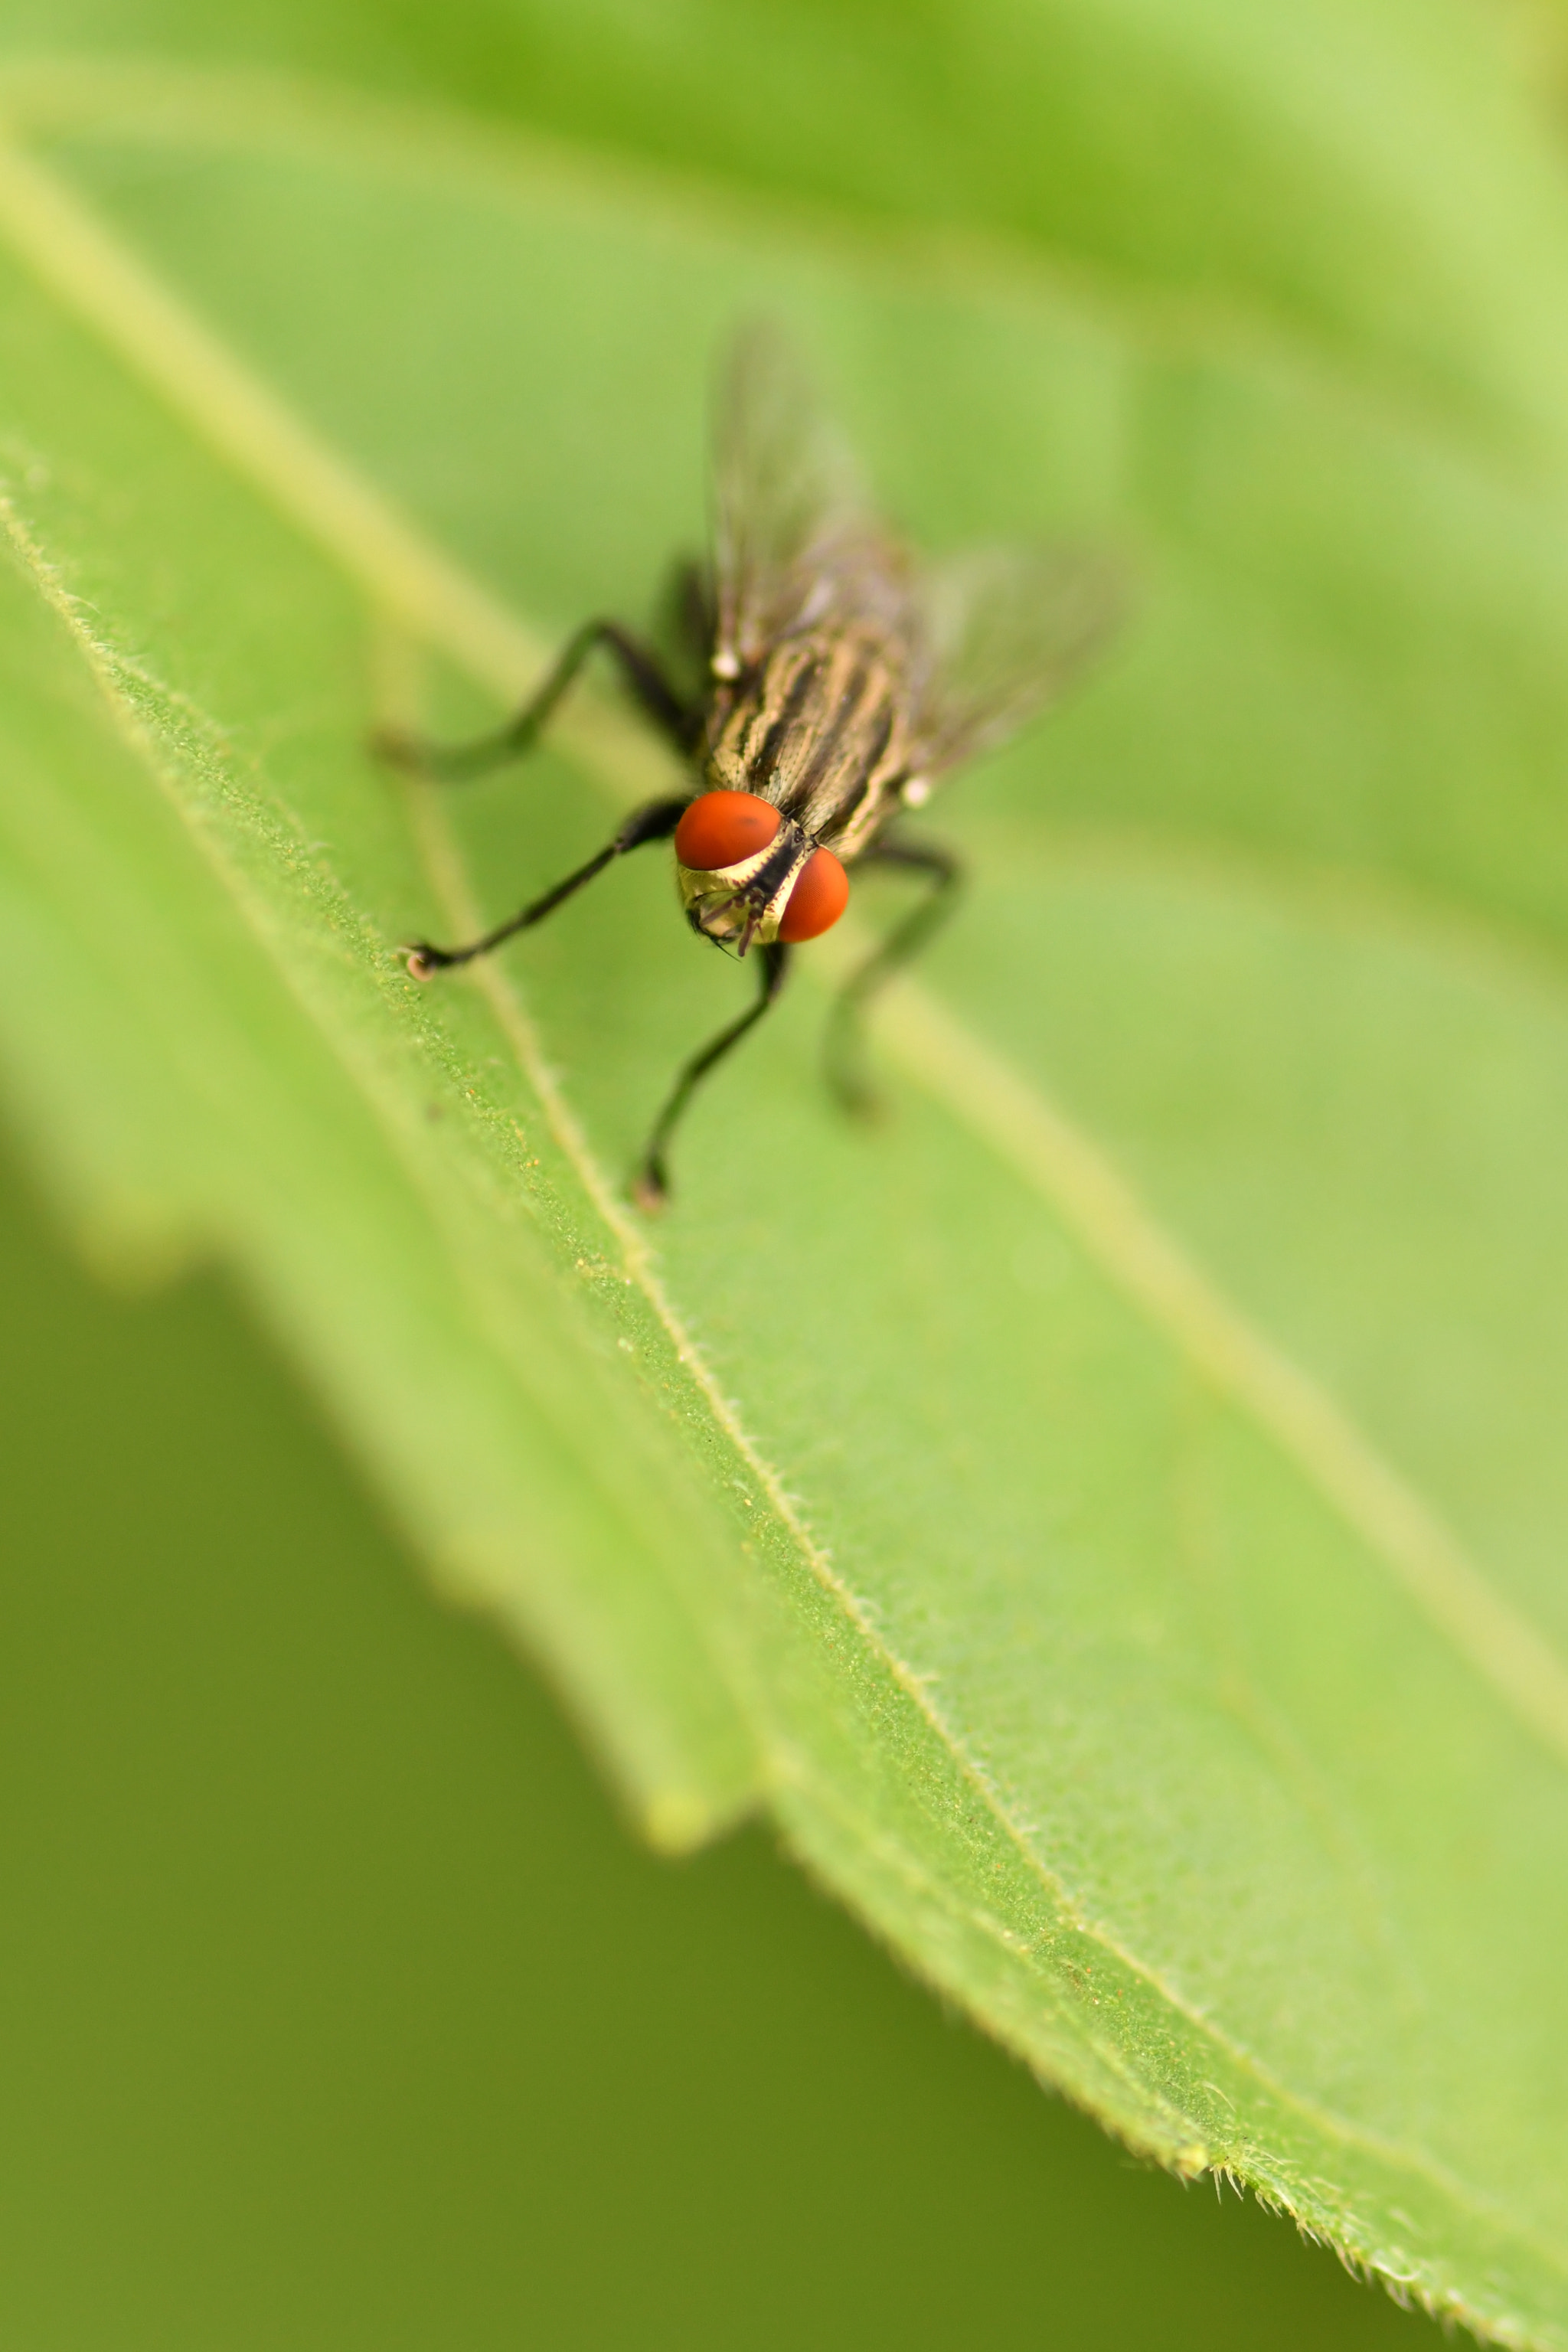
point(341, 2011)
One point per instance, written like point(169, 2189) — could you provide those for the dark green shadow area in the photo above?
point(338, 2011)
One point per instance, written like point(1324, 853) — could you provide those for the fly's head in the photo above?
point(748, 875)
point(740, 903)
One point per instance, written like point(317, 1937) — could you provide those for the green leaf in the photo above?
point(1111, 1513)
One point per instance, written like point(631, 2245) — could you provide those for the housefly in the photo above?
point(841, 681)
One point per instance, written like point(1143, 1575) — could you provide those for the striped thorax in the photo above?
point(818, 726)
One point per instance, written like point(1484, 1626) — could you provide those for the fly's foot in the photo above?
point(650, 1190)
point(860, 1101)
point(424, 960)
point(397, 749)
point(852, 1088)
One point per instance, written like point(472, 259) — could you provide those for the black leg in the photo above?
point(844, 1047)
point(652, 1188)
point(456, 762)
point(654, 821)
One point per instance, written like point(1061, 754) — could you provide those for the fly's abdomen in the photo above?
point(820, 729)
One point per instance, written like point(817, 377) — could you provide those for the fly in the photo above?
point(841, 681)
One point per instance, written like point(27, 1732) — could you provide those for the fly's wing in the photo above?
point(795, 543)
point(1004, 631)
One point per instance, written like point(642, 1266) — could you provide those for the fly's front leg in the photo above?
point(652, 1187)
point(456, 762)
point(654, 821)
point(845, 1045)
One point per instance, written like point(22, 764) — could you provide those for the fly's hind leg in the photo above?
point(652, 1187)
point(677, 719)
point(843, 1052)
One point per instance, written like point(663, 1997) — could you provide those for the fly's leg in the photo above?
point(845, 1045)
point(652, 1187)
point(654, 821)
point(677, 719)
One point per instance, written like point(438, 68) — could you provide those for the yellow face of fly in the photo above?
point(741, 905)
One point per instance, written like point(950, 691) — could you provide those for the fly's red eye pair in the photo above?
point(723, 829)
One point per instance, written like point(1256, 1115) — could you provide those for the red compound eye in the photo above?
point(721, 828)
point(820, 896)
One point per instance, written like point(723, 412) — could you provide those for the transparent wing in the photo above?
point(1004, 630)
point(795, 542)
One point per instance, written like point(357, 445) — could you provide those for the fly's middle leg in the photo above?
point(677, 719)
point(843, 1052)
